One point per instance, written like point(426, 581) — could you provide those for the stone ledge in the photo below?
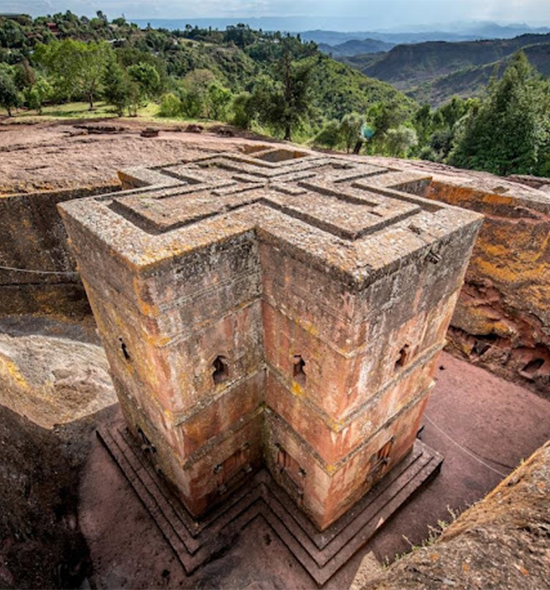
point(196, 542)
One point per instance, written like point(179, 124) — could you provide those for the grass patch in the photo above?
point(101, 110)
point(434, 533)
point(70, 110)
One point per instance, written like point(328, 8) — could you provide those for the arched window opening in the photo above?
point(124, 349)
point(403, 358)
point(221, 370)
point(298, 370)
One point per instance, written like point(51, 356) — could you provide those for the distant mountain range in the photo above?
point(472, 81)
point(433, 72)
point(465, 31)
point(430, 66)
point(349, 44)
point(356, 47)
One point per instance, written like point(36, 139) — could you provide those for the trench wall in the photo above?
point(33, 238)
point(502, 318)
point(501, 322)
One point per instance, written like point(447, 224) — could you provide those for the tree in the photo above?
point(170, 106)
point(199, 79)
point(350, 129)
point(265, 102)
point(441, 142)
point(194, 95)
point(242, 110)
point(116, 86)
point(9, 97)
point(92, 60)
point(147, 78)
point(192, 104)
point(330, 135)
point(423, 123)
point(219, 99)
point(507, 132)
point(297, 94)
point(448, 115)
point(437, 130)
point(283, 105)
point(384, 116)
point(400, 140)
point(24, 75)
point(241, 35)
point(134, 98)
point(37, 94)
point(76, 67)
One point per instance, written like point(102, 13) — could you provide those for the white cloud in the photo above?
point(386, 13)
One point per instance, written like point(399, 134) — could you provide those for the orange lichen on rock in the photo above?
point(502, 319)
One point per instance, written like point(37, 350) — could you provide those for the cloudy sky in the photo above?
point(378, 13)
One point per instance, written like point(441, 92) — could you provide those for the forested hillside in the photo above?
point(472, 81)
point(356, 47)
point(195, 66)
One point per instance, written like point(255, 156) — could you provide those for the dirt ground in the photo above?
point(41, 542)
point(41, 545)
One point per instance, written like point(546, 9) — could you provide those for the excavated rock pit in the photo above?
point(68, 517)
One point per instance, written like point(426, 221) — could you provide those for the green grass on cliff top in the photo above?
point(81, 110)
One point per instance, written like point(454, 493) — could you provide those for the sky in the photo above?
point(375, 13)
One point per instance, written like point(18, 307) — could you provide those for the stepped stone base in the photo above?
point(196, 542)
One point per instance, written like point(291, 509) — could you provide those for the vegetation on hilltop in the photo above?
point(279, 85)
point(509, 132)
point(356, 47)
point(196, 72)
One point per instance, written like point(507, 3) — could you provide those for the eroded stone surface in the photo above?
point(53, 380)
point(501, 542)
point(272, 309)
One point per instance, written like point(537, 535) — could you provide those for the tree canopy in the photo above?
point(509, 129)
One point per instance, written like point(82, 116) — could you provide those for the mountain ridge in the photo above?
point(303, 25)
point(356, 47)
point(436, 70)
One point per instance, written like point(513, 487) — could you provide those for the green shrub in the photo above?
point(330, 135)
point(170, 106)
point(242, 110)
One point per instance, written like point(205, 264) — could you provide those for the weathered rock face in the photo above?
point(53, 380)
point(272, 308)
point(502, 542)
point(502, 319)
point(42, 545)
point(34, 241)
